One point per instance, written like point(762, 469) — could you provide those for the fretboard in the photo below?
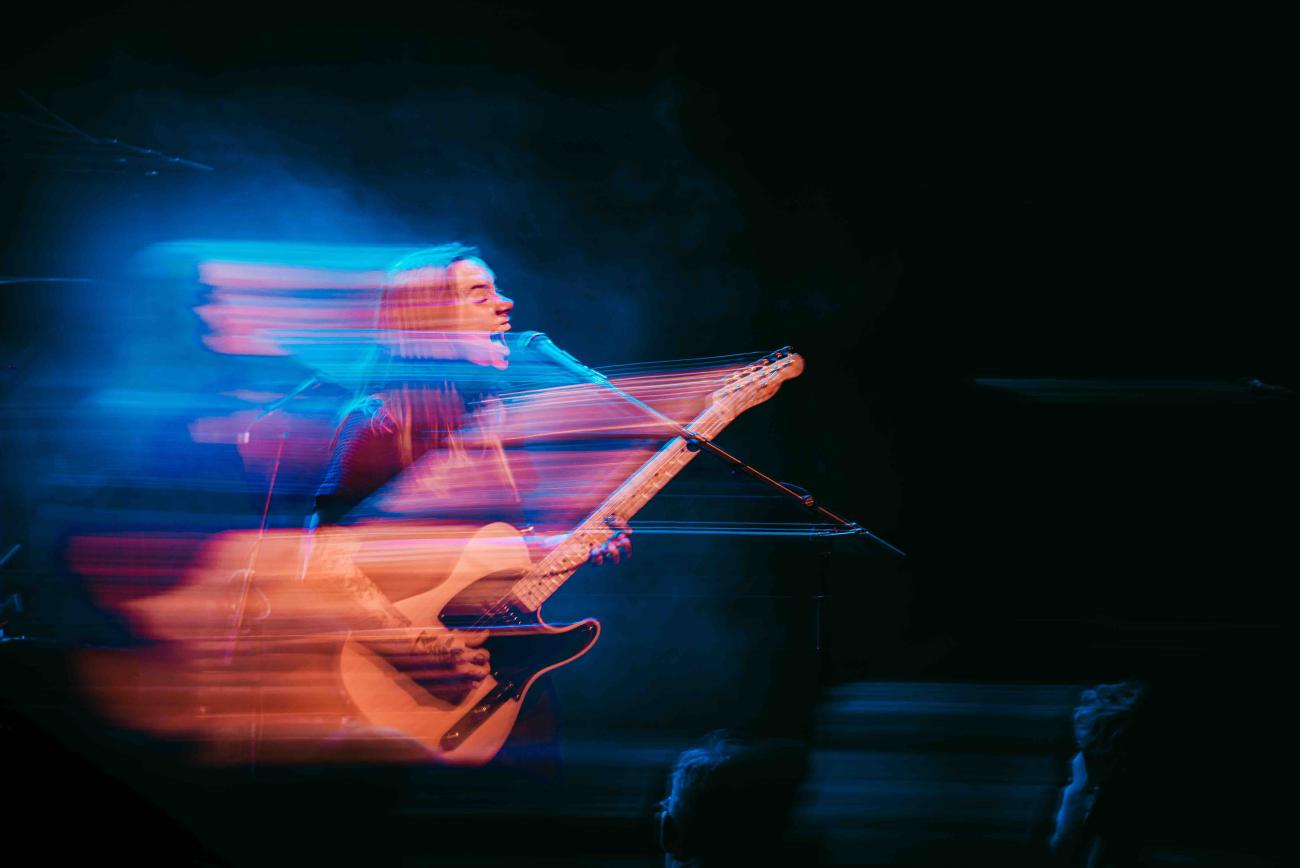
point(552, 571)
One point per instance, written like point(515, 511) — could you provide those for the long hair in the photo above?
point(1111, 727)
point(414, 375)
point(1103, 727)
point(419, 305)
point(730, 799)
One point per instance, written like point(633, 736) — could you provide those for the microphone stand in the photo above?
point(246, 574)
point(247, 578)
point(696, 442)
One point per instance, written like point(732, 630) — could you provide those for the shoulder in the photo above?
point(371, 414)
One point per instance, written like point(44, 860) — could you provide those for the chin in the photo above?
point(493, 356)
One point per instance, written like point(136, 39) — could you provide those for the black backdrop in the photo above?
point(912, 204)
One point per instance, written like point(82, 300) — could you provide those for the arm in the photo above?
point(364, 457)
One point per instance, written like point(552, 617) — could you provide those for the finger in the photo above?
point(614, 554)
point(474, 673)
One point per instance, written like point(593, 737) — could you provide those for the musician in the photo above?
point(420, 451)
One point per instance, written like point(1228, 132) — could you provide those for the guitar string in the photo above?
point(666, 369)
point(684, 385)
point(588, 400)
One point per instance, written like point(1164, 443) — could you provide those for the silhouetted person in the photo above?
point(1099, 821)
point(729, 803)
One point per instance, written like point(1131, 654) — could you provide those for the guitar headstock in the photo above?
point(755, 383)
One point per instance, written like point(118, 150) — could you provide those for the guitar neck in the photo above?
point(544, 579)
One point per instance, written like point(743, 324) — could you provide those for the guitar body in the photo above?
point(470, 727)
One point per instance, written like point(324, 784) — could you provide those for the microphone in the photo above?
point(309, 383)
point(546, 347)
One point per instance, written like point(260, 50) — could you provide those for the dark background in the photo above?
point(913, 205)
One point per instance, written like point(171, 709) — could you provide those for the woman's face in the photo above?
point(482, 312)
point(456, 313)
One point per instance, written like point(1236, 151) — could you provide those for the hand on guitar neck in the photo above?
point(615, 549)
point(619, 545)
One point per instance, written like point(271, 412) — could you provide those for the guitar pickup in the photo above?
point(474, 718)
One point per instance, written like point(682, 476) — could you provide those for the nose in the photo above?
point(504, 304)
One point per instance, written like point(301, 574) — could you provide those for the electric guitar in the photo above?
point(495, 587)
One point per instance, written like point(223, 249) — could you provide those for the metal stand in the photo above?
point(247, 573)
point(696, 442)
